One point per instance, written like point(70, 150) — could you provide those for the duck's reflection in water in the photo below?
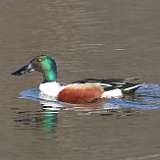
point(46, 118)
point(45, 121)
point(49, 122)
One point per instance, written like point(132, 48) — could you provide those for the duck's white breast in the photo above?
point(50, 88)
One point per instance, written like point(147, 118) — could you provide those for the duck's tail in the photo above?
point(130, 87)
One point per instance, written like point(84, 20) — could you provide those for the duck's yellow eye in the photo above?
point(39, 59)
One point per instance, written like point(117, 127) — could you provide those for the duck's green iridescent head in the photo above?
point(44, 64)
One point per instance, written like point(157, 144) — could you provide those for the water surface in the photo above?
point(88, 39)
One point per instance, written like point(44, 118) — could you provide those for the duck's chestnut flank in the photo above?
point(81, 93)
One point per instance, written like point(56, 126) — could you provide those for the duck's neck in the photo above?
point(49, 76)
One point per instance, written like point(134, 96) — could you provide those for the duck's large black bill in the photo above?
point(23, 70)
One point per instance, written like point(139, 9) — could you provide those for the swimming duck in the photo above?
point(78, 92)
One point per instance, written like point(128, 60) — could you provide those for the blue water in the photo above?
point(146, 97)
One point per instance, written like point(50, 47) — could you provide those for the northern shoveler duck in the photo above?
point(78, 92)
